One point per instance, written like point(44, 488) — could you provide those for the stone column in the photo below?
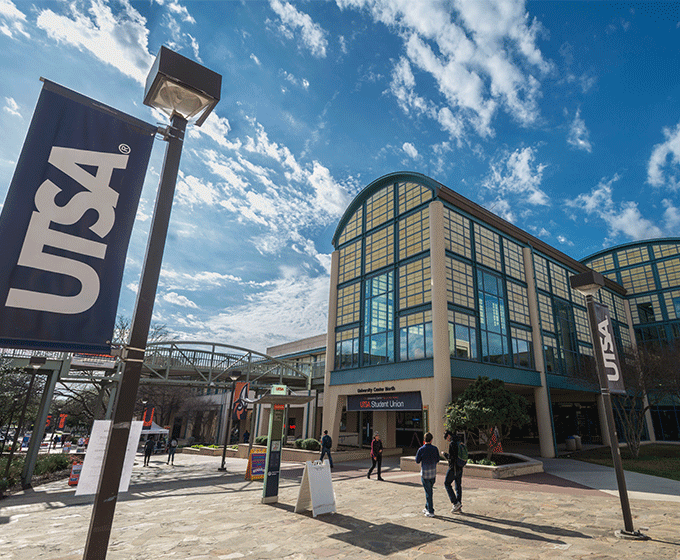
point(441, 385)
point(541, 394)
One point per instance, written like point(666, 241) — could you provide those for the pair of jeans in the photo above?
point(376, 460)
point(454, 474)
point(428, 484)
point(171, 455)
point(324, 451)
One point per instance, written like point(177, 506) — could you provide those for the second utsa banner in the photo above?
point(66, 223)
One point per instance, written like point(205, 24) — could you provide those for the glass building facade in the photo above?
point(430, 290)
point(650, 272)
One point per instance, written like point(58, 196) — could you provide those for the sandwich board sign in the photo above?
point(316, 490)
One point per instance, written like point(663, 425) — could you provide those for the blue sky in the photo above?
point(561, 117)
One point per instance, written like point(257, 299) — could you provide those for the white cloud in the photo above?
point(659, 160)
point(120, 40)
point(255, 59)
point(11, 107)
point(11, 19)
point(671, 216)
point(312, 34)
point(177, 9)
point(621, 219)
point(482, 55)
point(294, 306)
point(196, 281)
point(410, 150)
point(214, 127)
point(176, 299)
point(516, 175)
point(578, 134)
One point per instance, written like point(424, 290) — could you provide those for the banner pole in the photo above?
point(109, 481)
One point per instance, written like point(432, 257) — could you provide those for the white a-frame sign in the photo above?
point(316, 490)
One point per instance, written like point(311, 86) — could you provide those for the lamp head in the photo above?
point(587, 283)
point(178, 85)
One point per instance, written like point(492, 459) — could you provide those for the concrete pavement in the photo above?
point(191, 511)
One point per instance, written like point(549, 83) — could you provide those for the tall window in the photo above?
point(462, 336)
point(347, 349)
point(415, 336)
point(492, 324)
point(566, 336)
point(379, 319)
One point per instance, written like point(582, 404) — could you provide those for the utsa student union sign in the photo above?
point(395, 402)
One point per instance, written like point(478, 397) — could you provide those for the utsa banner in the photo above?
point(608, 352)
point(66, 223)
point(239, 406)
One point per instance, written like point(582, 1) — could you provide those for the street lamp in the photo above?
point(588, 284)
point(227, 435)
point(184, 90)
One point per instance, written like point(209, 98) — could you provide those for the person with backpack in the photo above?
point(326, 444)
point(457, 457)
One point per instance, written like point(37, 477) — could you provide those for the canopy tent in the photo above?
point(154, 430)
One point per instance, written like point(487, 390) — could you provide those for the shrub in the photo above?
point(51, 463)
point(261, 440)
point(310, 444)
point(298, 443)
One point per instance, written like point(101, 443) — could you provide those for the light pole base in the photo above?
point(221, 469)
point(631, 535)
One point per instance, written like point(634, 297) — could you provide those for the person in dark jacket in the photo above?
point(454, 474)
point(326, 444)
point(428, 457)
point(148, 450)
point(376, 455)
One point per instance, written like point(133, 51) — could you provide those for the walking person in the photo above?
point(172, 447)
point(455, 472)
point(148, 450)
point(376, 455)
point(428, 457)
point(326, 444)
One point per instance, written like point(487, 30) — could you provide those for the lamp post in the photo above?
point(227, 434)
point(184, 90)
point(588, 284)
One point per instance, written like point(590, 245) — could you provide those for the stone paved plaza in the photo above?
point(191, 511)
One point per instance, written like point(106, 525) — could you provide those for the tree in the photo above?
point(166, 400)
point(485, 405)
point(649, 376)
point(14, 383)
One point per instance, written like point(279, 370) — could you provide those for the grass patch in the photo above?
point(655, 459)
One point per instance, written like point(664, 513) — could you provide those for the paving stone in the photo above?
point(193, 512)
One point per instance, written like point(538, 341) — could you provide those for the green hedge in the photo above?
point(310, 444)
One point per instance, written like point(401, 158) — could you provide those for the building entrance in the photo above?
point(409, 429)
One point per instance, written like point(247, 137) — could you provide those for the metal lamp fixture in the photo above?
point(178, 85)
point(184, 90)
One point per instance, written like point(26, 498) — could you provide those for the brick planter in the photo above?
point(524, 465)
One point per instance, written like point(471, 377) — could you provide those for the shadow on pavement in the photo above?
point(385, 539)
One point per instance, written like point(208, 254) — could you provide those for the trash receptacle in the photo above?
point(577, 441)
point(571, 443)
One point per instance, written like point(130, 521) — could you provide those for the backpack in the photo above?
point(462, 459)
point(326, 441)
